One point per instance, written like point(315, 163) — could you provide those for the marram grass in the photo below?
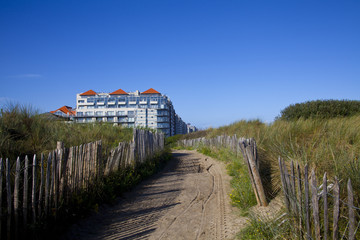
point(331, 146)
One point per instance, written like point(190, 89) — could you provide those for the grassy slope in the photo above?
point(331, 146)
point(24, 131)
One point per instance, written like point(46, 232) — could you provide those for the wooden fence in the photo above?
point(312, 207)
point(143, 146)
point(247, 147)
point(303, 198)
point(36, 188)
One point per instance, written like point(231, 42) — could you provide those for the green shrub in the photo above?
point(323, 109)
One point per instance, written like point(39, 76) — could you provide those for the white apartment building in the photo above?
point(130, 109)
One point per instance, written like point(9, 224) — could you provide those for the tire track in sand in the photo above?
point(187, 200)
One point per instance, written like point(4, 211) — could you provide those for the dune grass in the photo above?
point(326, 145)
point(23, 131)
point(331, 146)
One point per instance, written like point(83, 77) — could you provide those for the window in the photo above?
point(121, 113)
point(112, 99)
point(131, 119)
point(163, 113)
point(88, 119)
point(79, 114)
point(81, 101)
point(163, 119)
point(89, 113)
point(163, 125)
point(99, 113)
point(91, 100)
point(100, 100)
point(91, 107)
point(81, 107)
point(122, 120)
point(110, 119)
point(111, 113)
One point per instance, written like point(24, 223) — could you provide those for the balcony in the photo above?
point(85, 104)
point(143, 102)
point(160, 114)
point(154, 102)
point(132, 102)
point(122, 103)
point(162, 120)
point(122, 120)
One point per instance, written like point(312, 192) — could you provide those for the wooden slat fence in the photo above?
point(245, 147)
point(36, 188)
point(143, 146)
point(313, 207)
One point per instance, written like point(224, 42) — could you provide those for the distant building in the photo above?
point(149, 109)
point(191, 128)
point(64, 111)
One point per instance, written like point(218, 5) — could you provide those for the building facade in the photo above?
point(65, 112)
point(149, 109)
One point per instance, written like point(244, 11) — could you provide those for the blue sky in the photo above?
point(218, 61)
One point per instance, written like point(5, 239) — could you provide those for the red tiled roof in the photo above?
point(150, 91)
point(88, 93)
point(66, 110)
point(119, 92)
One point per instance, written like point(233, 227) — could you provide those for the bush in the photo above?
point(324, 109)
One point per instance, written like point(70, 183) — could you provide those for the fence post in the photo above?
point(8, 188)
point(257, 179)
point(33, 196)
point(324, 195)
point(47, 185)
point(315, 205)
point(248, 148)
point(293, 188)
point(307, 210)
point(351, 211)
point(300, 210)
point(336, 214)
point(16, 194)
point(26, 191)
point(282, 177)
point(41, 187)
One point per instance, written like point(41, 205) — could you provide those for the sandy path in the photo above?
point(189, 199)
